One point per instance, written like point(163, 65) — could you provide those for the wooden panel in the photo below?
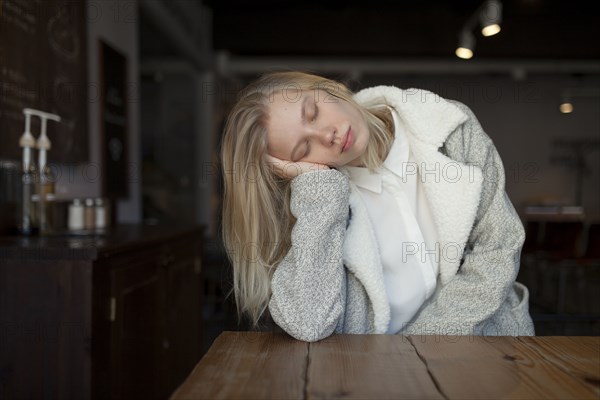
point(44, 329)
point(181, 338)
point(249, 365)
point(367, 366)
point(474, 367)
point(135, 332)
point(102, 328)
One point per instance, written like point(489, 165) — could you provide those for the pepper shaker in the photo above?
point(89, 214)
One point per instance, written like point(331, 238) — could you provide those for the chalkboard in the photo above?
point(43, 65)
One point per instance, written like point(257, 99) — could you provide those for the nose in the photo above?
point(325, 135)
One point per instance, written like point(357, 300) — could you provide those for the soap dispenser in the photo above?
point(26, 223)
point(46, 179)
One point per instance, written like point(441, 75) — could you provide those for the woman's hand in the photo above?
point(290, 169)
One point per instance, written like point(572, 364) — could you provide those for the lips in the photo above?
point(348, 140)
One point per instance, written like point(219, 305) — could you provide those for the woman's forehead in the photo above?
point(292, 95)
point(285, 105)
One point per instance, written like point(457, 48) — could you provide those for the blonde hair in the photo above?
point(257, 221)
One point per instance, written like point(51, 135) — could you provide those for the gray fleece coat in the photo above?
point(331, 281)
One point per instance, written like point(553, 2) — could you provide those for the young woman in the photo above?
point(377, 212)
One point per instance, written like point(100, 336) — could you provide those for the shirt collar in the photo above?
point(395, 161)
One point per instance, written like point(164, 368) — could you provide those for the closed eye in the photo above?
point(315, 114)
point(307, 149)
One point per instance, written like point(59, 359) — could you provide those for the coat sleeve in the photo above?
point(307, 286)
point(470, 302)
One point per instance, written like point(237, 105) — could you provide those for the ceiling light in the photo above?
point(567, 96)
point(490, 17)
point(466, 44)
point(566, 107)
point(490, 30)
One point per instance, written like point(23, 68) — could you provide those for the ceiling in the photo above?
point(377, 36)
point(533, 29)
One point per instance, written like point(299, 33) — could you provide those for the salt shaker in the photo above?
point(100, 214)
point(75, 215)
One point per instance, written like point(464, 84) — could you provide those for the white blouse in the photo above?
point(404, 229)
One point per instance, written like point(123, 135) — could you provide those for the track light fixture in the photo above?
point(489, 16)
point(466, 45)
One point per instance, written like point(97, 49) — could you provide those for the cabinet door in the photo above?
point(135, 327)
point(45, 308)
point(181, 342)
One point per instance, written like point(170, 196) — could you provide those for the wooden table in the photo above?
point(253, 365)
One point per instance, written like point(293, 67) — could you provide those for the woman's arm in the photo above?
point(307, 287)
point(490, 263)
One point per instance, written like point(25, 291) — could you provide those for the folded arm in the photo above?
point(307, 294)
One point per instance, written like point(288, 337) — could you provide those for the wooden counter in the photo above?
point(100, 317)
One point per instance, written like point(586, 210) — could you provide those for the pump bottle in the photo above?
point(26, 223)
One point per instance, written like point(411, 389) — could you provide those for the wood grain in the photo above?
point(250, 365)
point(367, 366)
point(267, 365)
point(474, 367)
point(579, 357)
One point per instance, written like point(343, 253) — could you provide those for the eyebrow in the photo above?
point(302, 117)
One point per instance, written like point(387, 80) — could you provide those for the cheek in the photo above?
point(278, 139)
point(274, 146)
point(321, 158)
point(362, 141)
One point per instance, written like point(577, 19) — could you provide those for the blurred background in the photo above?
point(534, 85)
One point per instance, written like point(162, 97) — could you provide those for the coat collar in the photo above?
point(426, 115)
point(396, 161)
point(452, 188)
